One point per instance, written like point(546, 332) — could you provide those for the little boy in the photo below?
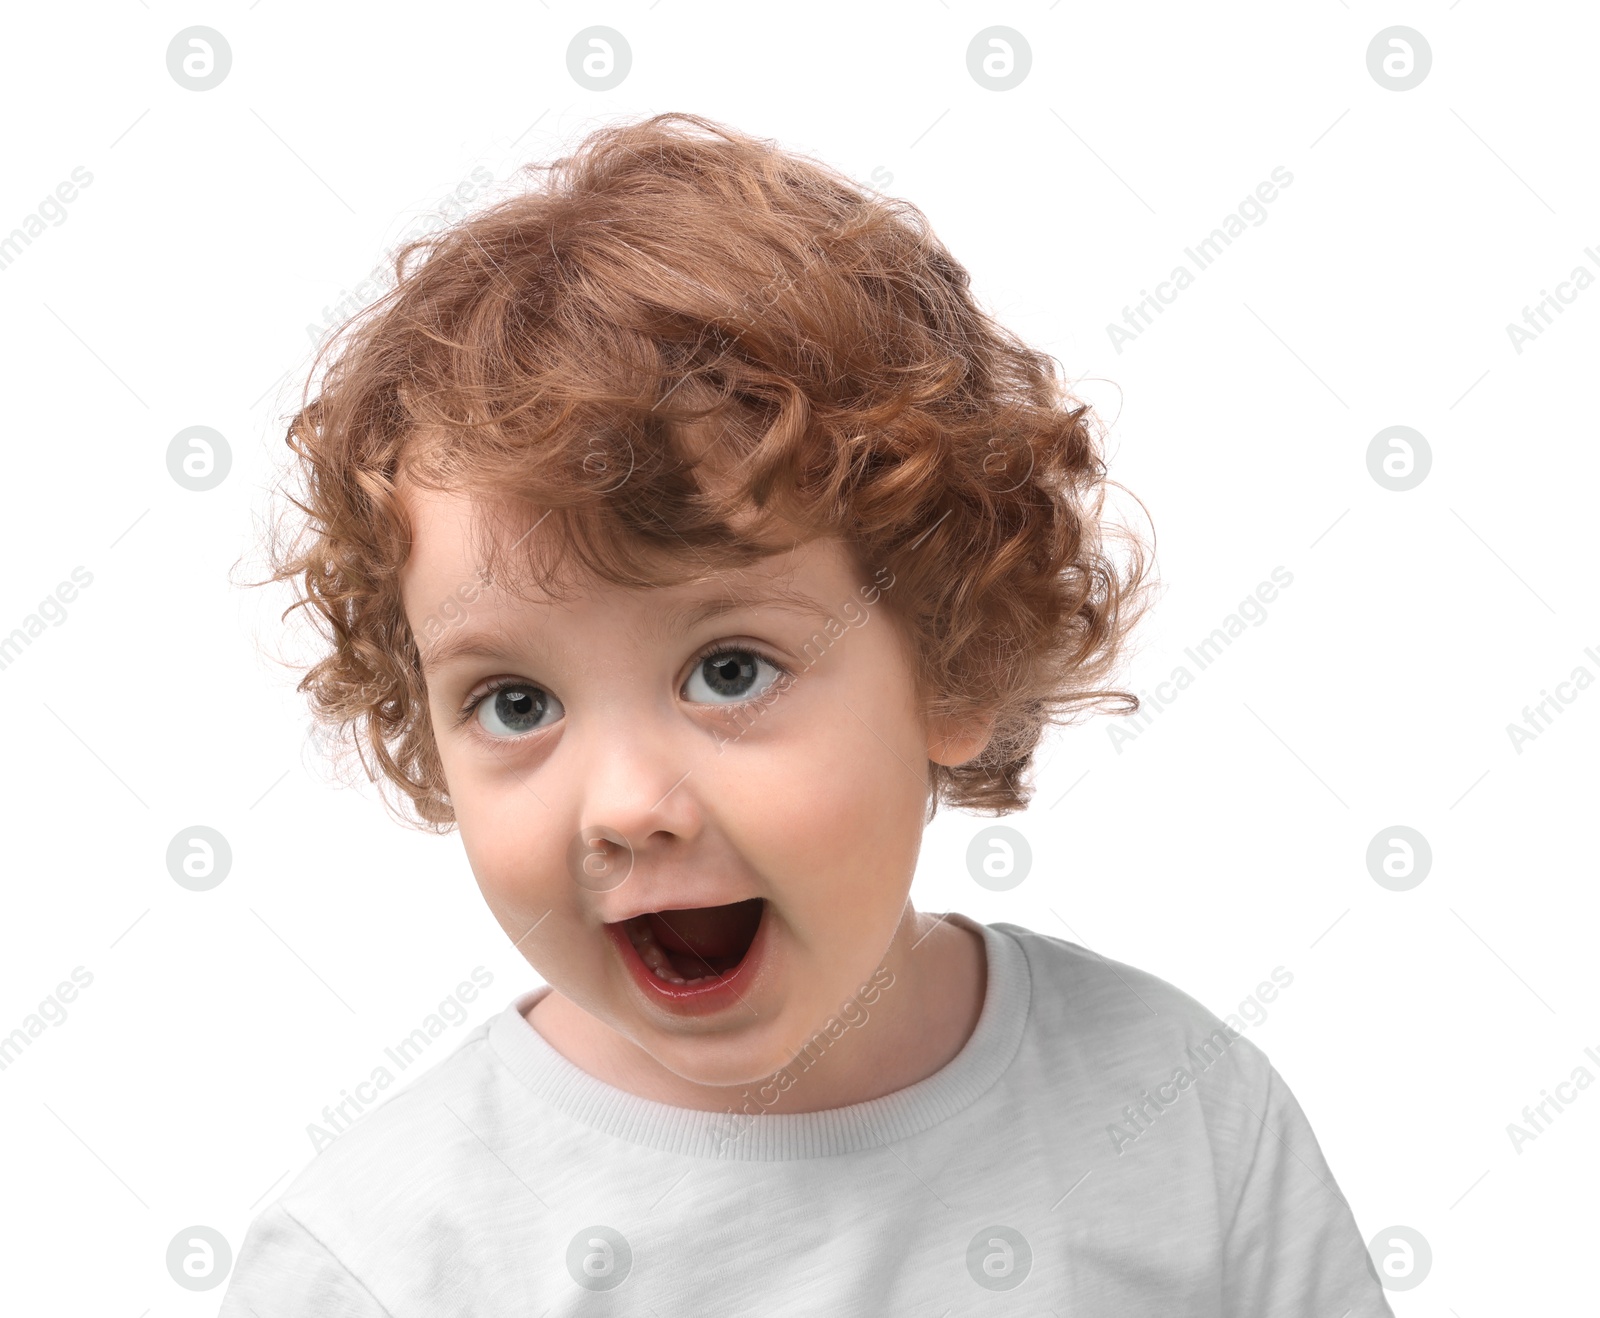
point(684, 534)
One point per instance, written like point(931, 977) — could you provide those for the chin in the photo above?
point(721, 1063)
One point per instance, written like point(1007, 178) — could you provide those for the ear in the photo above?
point(952, 742)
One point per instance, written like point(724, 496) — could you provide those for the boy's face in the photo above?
point(763, 752)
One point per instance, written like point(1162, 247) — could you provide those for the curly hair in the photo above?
point(676, 300)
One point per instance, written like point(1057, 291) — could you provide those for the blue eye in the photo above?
point(730, 676)
point(516, 709)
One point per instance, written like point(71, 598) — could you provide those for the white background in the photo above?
point(1228, 839)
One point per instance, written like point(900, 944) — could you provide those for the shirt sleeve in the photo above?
point(283, 1271)
point(1292, 1245)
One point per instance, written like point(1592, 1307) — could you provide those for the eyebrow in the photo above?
point(489, 643)
point(685, 617)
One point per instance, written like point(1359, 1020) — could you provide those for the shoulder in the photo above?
point(1080, 993)
point(1122, 1032)
point(1201, 1131)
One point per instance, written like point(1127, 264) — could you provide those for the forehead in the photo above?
point(460, 550)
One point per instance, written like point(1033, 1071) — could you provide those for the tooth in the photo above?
point(643, 937)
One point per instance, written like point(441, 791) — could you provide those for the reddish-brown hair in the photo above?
point(682, 343)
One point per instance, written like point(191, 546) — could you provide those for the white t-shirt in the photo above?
point(1102, 1145)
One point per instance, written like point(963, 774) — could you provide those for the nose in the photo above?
point(638, 795)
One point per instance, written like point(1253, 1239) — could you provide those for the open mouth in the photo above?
point(698, 945)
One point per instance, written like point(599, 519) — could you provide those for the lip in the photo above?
point(717, 995)
point(682, 904)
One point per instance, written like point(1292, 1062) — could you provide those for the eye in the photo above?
point(730, 675)
point(516, 708)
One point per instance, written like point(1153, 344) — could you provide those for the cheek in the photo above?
point(852, 846)
point(521, 867)
point(501, 834)
point(834, 821)
point(515, 854)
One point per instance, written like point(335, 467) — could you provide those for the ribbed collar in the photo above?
point(778, 1136)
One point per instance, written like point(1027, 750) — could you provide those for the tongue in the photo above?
point(708, 931)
